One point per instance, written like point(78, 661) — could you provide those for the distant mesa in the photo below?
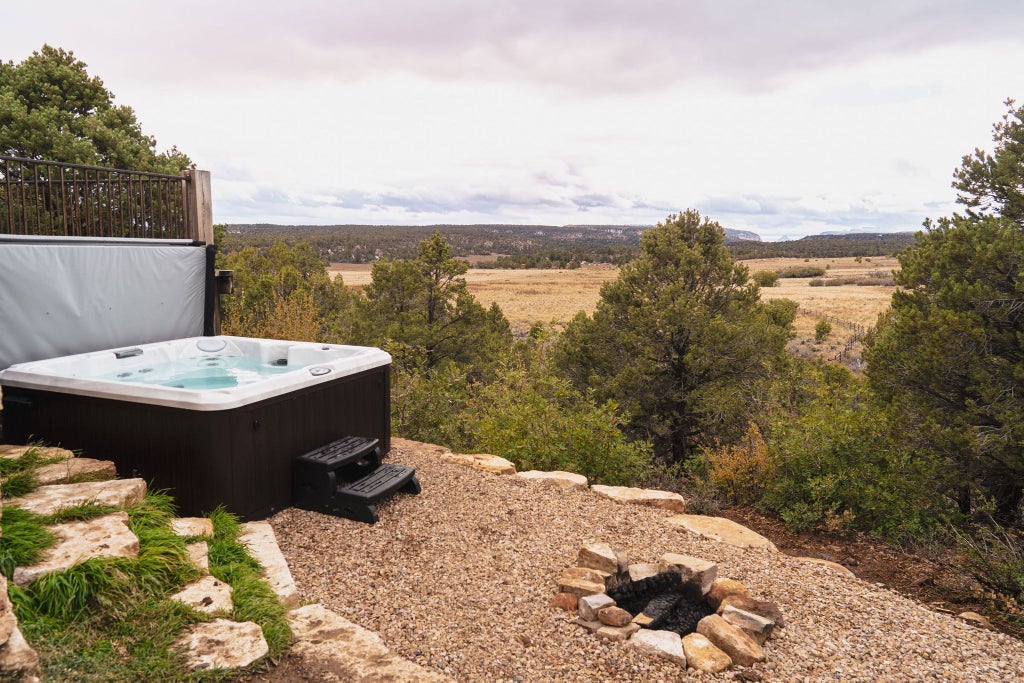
point(732, 235)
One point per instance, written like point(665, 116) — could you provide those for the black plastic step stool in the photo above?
point(346, 478)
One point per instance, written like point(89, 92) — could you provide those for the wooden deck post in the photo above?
point(200, 205)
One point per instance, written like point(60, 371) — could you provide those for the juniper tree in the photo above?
point(949, 357)
point(679, 340)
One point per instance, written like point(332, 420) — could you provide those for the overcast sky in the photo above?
point(782, 117)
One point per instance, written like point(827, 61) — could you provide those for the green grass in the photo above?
point(109, 619)
point(254, 599)
point(16, 474)
point(24, 539)
point(78, 513)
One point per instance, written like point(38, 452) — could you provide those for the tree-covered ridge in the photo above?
point(52, 109)
point(826, 246)
point(536, 246)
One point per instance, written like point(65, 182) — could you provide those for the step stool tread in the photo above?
point(382, 480)
point(340, 452)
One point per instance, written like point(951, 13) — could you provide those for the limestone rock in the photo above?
point(581, 581)
point(481, 461)
point(733, 641)
point(975, 619)
point(206, 595)
point(599, 556)
point(259, 538)
point(199, 556)
point(192, 526)
point(754, 624)
point(565, 480)
point(665, 644)
point(565, 601)
point(617, 633)
point(764, 608)
point(75, 469)
point(18, 658)
point(642, 571)
point(222, 644)
point(722, 588)
point(48, 452)
point(590, 605)
point(8, 621)
point(591, 626)
point(115, 493)
point(347, 653)
point(642, 619)
point(701, 654)
point(696, 572)
point(721, 530)
point(106, 536)
point(651, 497)
point(614, 616)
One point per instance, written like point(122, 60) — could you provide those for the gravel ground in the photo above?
point(459, 578)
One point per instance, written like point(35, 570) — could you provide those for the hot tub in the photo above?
point(215, 420)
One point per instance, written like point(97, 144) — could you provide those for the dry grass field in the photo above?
point(555, 296)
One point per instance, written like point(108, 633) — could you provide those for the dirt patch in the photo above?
point(934, 581)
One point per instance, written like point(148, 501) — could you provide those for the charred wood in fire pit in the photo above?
point(658, 609)
point(635, 595)
point(683, 616)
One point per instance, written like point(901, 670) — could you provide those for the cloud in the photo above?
point(590, 46)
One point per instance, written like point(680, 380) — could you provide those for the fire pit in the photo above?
point(677, 608)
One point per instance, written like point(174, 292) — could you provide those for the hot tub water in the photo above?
point(203, 372)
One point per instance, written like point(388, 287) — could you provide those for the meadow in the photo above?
point(529, 296)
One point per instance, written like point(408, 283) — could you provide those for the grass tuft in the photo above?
point(78, 513)
point(254, 599)
point(24, 540)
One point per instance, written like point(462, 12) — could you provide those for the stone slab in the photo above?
point(75, 469)
point(721, 530)
point(106, 536)
point(733, 641)
point(481, 461)
point(696, 572)
point(664, 644)
point(617, 633)
point(336, 650)
point(590, 605)
point(703, 655)
point(207, 595)
point(556, 478)
point(598, 556)
point(192, 526)
point(262, 544)
point(222, 644)
point(633, 496)
point(199, 556)
point(47, 500)
point(14, 452)
point(18, 658)
point(8, 622)
point(642, 570)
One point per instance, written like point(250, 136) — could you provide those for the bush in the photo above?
point(426, 405)
point(802, 271)
point(540, 422)
point(840, 465)
point(822, 329)
point(995, 556)
point(737, 472)
point(766, 278)
point(817, 282)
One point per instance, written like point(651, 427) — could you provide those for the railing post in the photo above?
point(200, 205)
